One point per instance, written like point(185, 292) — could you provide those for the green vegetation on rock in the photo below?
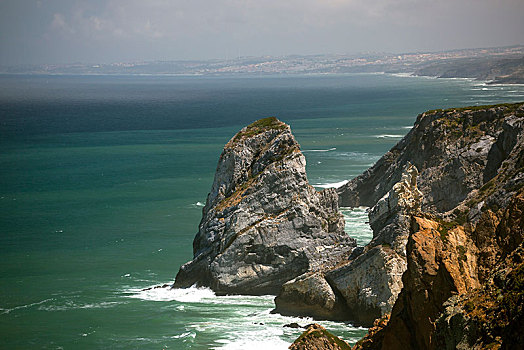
point(510, 107)
point(258, 127)
point(317, 337)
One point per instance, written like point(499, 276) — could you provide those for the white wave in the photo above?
point(197, 205)
point(356, 224)
point(242, 300)
point(388, 136)
point(407, 127)
point(69, 305)
point(184, 335)
point(6, 311)
point(256, 344)
point(185, 295)
point(355, 209)
point(403, 75)
point(319, 150)
point(332, 185)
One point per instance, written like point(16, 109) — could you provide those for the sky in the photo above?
point(107, 31)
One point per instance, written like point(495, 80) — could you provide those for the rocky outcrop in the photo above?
point(493, 315)
point(263, 224)
point(317, 337)
point(371, 282)
point(367, 285)
point(463, 284)
point(456, 151)
point(311, 295)
point(440, 264)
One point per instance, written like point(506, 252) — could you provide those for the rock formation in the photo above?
point(456, 152)
point(263, 224)
point(311, 295)
point(366, 286)
point(464, 283)
point(317, 337)
point(437, 169)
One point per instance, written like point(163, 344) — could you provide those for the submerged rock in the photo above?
point(263, 224)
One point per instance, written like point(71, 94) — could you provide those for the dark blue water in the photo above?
point(102, 183)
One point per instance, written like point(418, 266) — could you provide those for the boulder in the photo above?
point(317, 337)
point(311, 295)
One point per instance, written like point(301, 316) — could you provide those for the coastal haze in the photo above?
point(108, 31)
point(113, 115)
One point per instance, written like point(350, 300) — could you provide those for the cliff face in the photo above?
point(366, 285)
point(463, 284)
point(371, 282)
point(456, 151)
point(263, 224)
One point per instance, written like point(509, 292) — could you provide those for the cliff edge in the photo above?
point(463, 286)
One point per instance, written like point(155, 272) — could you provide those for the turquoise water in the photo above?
point(103, 181)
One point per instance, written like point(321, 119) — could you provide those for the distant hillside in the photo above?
point(495, 69)
point(502, 64)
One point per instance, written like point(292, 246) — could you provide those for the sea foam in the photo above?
point(319, 150)
point(388, 136)
point(185, 295)
point(332, 185)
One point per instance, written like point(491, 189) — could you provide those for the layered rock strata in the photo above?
point(366, 286)
point(263, 224)
point(464, 283)
point(456, 151)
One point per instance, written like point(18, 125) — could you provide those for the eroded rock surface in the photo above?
point(464, 283)
point(367, 285)
point(456, 151)
point(263, 224)
point(311, 295)
point(317, 337)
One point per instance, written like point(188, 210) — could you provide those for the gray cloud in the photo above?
point(119, 30)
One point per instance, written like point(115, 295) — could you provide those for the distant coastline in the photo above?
point(501, 65)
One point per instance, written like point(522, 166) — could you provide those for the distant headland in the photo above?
point(503, 65)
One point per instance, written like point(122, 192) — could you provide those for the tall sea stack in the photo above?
point(263, 224)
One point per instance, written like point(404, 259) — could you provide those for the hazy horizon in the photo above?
point(108, 31)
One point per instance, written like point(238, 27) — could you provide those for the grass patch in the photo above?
point(510, 107)
point(258, 127)
point(309, 335)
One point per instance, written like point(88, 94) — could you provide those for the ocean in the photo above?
point(103, 180)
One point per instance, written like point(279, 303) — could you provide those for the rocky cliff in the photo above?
point(463, 286)
point(456, 152)
point(366, 285)
point(263, 224)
